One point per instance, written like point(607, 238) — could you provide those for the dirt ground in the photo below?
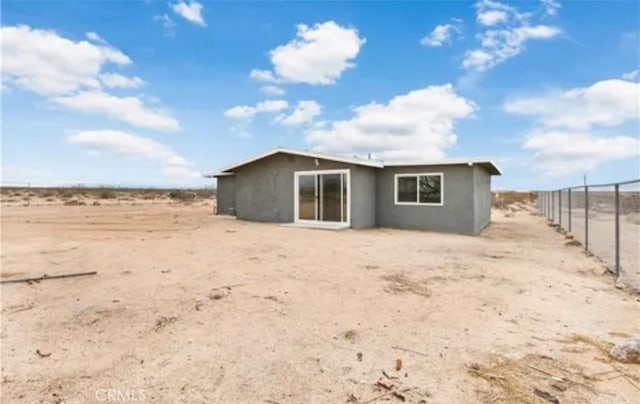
point(189, 307)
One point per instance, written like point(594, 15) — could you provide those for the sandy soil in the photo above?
point(309, 316)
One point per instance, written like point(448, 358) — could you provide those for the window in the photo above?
point(418, 189)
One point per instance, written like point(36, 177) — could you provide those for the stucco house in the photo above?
point(306, 188)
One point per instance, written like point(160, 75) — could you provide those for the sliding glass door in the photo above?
point(307, 196)
point(322, 196)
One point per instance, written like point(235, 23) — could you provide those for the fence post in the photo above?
point(548, 204)
point(569, 201)
point(560, 208)
point(586, 218)
point(617, 229)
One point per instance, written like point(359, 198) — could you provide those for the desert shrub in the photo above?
point(205, 193)
point(181, 195)
point(66, 193)
point(107, 194)
point(47, 194)
point(501, 199)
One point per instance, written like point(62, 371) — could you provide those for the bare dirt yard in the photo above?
point(189, 307)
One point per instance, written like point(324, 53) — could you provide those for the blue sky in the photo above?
point(157, 93)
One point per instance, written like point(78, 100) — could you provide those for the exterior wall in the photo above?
point(225, 195)
point(363, 197)
point(456, 215)
point(482, 198)
point(264, 189)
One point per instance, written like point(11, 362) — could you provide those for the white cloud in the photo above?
point(127, 109)
point(263, 75)
point(499, 45)
point(551, 7)
point(120, 81)
point(48, 64)
point(167, 23)
point(416, 125)
point(272, 90)
point(92, 36)
point(247, 111)
point(560, 152)
point(137, 147)
point(491, 17)
point(566, 140)
point(605, 103)
point(240, 112)
point(441, 34)
point(630, 76)
point(191, 11)
point(496, 45)
point(319, 55)
point(303, 113)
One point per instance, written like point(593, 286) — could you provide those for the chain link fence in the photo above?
point(605, 219)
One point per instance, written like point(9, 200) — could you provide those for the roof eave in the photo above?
point(368, 163)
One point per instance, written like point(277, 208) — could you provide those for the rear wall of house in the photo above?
point(264, 189)
point(482, 196)
point(456, 215)
point(225, 195)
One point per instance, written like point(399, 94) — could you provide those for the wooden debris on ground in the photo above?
point(45, 277)
point(42, 355)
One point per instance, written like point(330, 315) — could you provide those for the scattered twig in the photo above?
point(564, 379)
point(389, 377)
point(25, 308)
point(59, 251)
point(228, 287)
point(45, 277)
point(408, 350)
point(556, 378)
point(384, 386)
point(42, 355)
point(485, 375)
point(623, 374)
point(384, 395)
point(547, 396)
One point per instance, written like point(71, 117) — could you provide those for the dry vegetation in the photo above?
point(190, 307)
point(71, 196)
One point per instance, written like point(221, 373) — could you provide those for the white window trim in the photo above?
point(417, 203)
point(296, 207)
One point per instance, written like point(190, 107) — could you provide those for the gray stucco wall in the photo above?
point(456, 215)
point(363, 197)
point(482, 198)
point(225, 195)
point(264, 189)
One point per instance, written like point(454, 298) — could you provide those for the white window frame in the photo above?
point(296, 200)
point(417, 202)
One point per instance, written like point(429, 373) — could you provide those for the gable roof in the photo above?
point(350, 160)
point(228, 170)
